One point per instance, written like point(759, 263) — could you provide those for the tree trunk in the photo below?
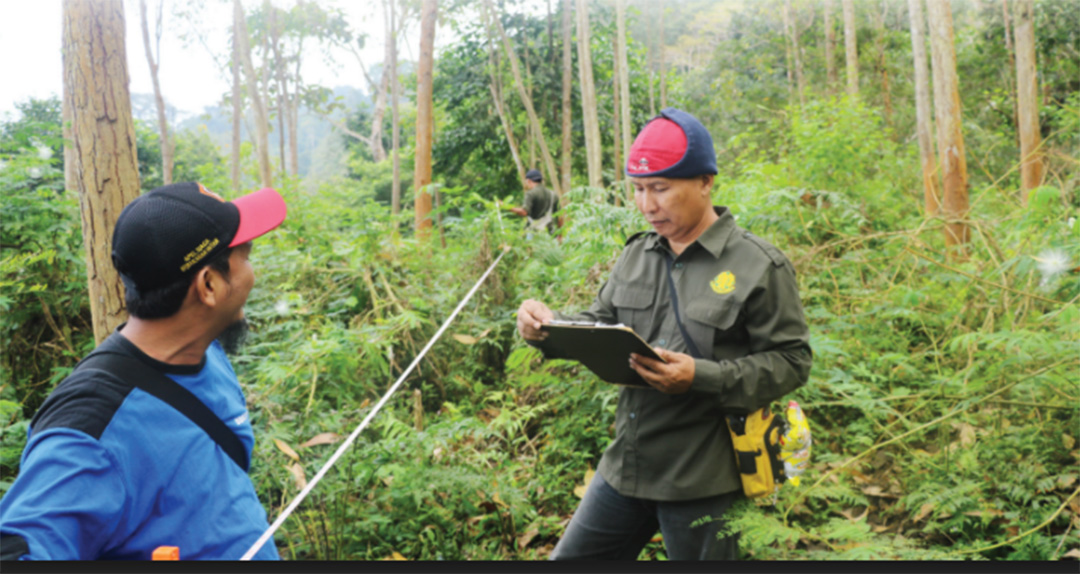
point(274, 29)
point(166, 143)
point(663, 42)
point(616, 120)
point(794, 64)
point(424, 125)
point(832, 79)
point(923, 120)
point(850, 49)
point(534, 121)
point(882, 68)
point(1010, 72)
point(378, 152)
point(292, 114)
point(106, 171)
point(1027, 90)
point(262, 137)
point(497, 96)
point(624, 91)
point(588, 98)
point(789, 69)
point(395, 118)
point(567, 79)
point(237, 109)
point(950, 137)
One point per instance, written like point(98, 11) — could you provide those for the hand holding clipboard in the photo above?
point(604, 349)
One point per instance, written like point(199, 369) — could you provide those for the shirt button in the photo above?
point(662, 342)
point(678, 265)
point(633, 415)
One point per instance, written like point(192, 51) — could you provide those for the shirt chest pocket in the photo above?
point(712, 322)
point(633, 305)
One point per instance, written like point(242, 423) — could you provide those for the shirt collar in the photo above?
point(712, 239)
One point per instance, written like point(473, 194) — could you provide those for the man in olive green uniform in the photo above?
point(721, 306)
point(540, 204)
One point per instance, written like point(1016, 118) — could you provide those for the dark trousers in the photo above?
point(610, 526)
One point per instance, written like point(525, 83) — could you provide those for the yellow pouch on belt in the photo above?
point(756, 437)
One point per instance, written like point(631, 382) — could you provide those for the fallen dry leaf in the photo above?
point(395, 555)
point(298, 475)
point(464, 339)
point(365, 404)
point(526, 538)
point(289, 452)
point(967, 433)
point(984, 513)
point(321, 438)
point(924, 511)
point(850, 514)
point(1074, 553)
point(580, 489)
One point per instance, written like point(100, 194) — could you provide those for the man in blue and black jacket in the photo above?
point(147, 443)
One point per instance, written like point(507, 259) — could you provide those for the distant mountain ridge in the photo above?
point(217, 121)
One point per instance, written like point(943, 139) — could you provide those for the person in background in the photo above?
point(540, 205)
point(114, 467)
point(721, 307)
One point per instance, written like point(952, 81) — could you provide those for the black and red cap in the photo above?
point(675, 145)
point(171, 232)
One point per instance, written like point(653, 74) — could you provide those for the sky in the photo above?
point(31, 39)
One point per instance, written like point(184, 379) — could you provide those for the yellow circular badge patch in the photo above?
point(723, 283)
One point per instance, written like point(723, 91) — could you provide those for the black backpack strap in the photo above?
point(141, 375)
point(12, 546)
point(694, 352)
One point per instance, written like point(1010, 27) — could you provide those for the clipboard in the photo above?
point(604, 349)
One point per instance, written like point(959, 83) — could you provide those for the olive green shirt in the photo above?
point(739, 300)
point(539, 202)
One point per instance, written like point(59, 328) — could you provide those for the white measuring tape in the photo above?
point(352, 437)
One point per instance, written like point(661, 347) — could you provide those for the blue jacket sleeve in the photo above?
point(68, 500)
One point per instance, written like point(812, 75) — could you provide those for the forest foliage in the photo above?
point(945, 395)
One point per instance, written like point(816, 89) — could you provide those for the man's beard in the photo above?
point(234, 336)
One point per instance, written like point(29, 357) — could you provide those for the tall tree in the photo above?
point(616, 119)
point(947, 111)
point(831, 77)
point(166, 142)
point(105, 170)
point(274, 28)
point(379, 92)
point(237, 109)
point(497, 95)
point(795, 71)
point(262, 136)
point(588, 98)
point(567, 79)
point(1010, 73)
point(534, 120)
point(624, 89)
point(923, 120)
point(395, 116)
point(1027, 91)
point(424, 123)
point(881, 63)
point(662, 47)
point(850, 49)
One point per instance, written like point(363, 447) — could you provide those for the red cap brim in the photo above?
point(259, 213)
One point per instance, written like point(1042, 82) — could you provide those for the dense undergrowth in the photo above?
point(943, 397)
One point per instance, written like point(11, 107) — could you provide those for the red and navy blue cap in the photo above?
point(673, 144)
point(173, 231)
